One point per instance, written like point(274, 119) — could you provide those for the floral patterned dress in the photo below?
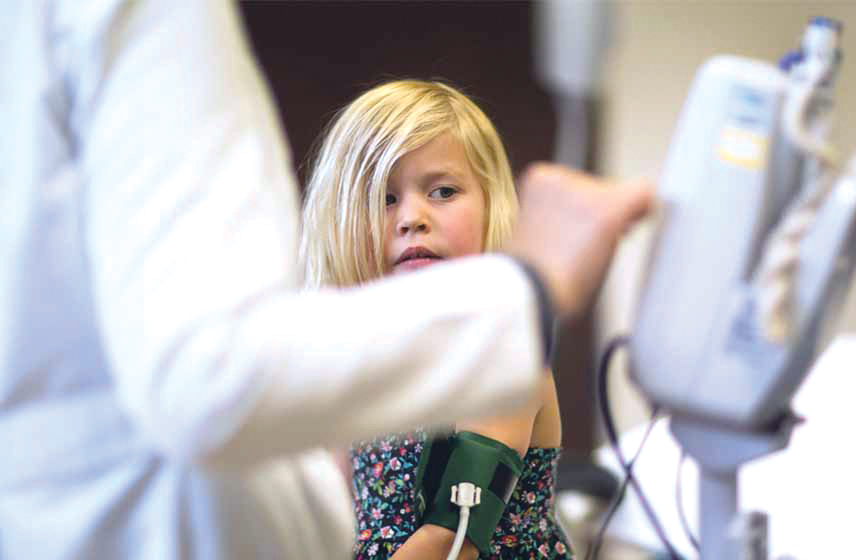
point(385, 502)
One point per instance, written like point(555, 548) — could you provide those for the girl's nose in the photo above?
point(413, 217)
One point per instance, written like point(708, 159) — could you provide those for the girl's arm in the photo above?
point(434, 542)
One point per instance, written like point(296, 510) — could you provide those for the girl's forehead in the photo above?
point(442, 155)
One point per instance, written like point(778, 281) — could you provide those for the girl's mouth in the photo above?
point(416, 257)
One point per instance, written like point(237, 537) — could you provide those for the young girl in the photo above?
point(409, 174)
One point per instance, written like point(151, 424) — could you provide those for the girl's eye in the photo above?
point(390, 199)
point(443, 192)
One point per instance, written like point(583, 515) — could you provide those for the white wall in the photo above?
point(658, 47)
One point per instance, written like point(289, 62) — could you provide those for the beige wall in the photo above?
point(658, 47)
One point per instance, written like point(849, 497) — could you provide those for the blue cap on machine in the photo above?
point(827, 22)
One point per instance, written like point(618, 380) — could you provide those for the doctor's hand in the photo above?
point(569, 226)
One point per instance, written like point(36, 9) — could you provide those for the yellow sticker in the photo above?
point(742, 147)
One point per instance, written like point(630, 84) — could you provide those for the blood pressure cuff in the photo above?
point(467, 457)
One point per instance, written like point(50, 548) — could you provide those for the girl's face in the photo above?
point(435, 207)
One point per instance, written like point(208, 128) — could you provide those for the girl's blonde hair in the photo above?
point(344, 210)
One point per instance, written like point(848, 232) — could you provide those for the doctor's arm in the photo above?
point(191, 221)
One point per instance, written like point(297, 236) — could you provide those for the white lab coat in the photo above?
point(156, 361)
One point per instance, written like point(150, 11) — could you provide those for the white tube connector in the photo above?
point(465, 495)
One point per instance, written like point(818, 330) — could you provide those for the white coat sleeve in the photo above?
point(191, 220)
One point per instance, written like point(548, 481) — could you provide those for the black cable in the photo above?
point(612, 435)
point(679, 498)
point(594, 547)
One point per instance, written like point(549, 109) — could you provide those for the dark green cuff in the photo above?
point(487, 463)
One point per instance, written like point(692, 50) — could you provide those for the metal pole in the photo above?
point(718, 510)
